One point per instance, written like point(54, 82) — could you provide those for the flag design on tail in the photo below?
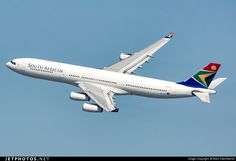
point(203, 78)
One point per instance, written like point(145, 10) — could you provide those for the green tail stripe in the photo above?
point(196, 76)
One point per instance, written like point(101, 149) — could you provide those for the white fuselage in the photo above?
point(120, 83)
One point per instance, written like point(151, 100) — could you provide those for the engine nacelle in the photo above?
point(124, 56)
point(91, 108)
point(79, 96)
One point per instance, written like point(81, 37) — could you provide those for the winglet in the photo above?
point(115, 110)
point(171, 34)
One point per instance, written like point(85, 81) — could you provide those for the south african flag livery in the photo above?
point(203, 78)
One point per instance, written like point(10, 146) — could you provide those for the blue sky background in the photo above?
point(38, 118)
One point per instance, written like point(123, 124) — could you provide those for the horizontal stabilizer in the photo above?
point(216, 82)
point(204, 97)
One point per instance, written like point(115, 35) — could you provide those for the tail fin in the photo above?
point(203, 78)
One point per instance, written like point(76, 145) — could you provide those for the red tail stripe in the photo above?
point(212, 67)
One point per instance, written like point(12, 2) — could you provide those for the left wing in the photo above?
point(102, 95)
point(134, 61)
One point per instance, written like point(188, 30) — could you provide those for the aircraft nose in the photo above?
point(8, 64)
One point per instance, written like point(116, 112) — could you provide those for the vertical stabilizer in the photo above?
point(203, 78)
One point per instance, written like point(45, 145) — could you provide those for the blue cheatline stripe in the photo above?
point(192, 83)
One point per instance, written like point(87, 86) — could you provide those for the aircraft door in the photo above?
point(169, 91)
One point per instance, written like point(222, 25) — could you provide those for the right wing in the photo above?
point(131, 63)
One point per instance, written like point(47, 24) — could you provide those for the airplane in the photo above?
point(101, 85)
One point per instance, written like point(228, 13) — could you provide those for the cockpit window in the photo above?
point(14, 63)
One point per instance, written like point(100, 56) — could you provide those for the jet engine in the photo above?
point(91, 108)
point(79, 96)
point(124, 56)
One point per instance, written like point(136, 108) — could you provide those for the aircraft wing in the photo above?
point(134, 61)
point(102, 95)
